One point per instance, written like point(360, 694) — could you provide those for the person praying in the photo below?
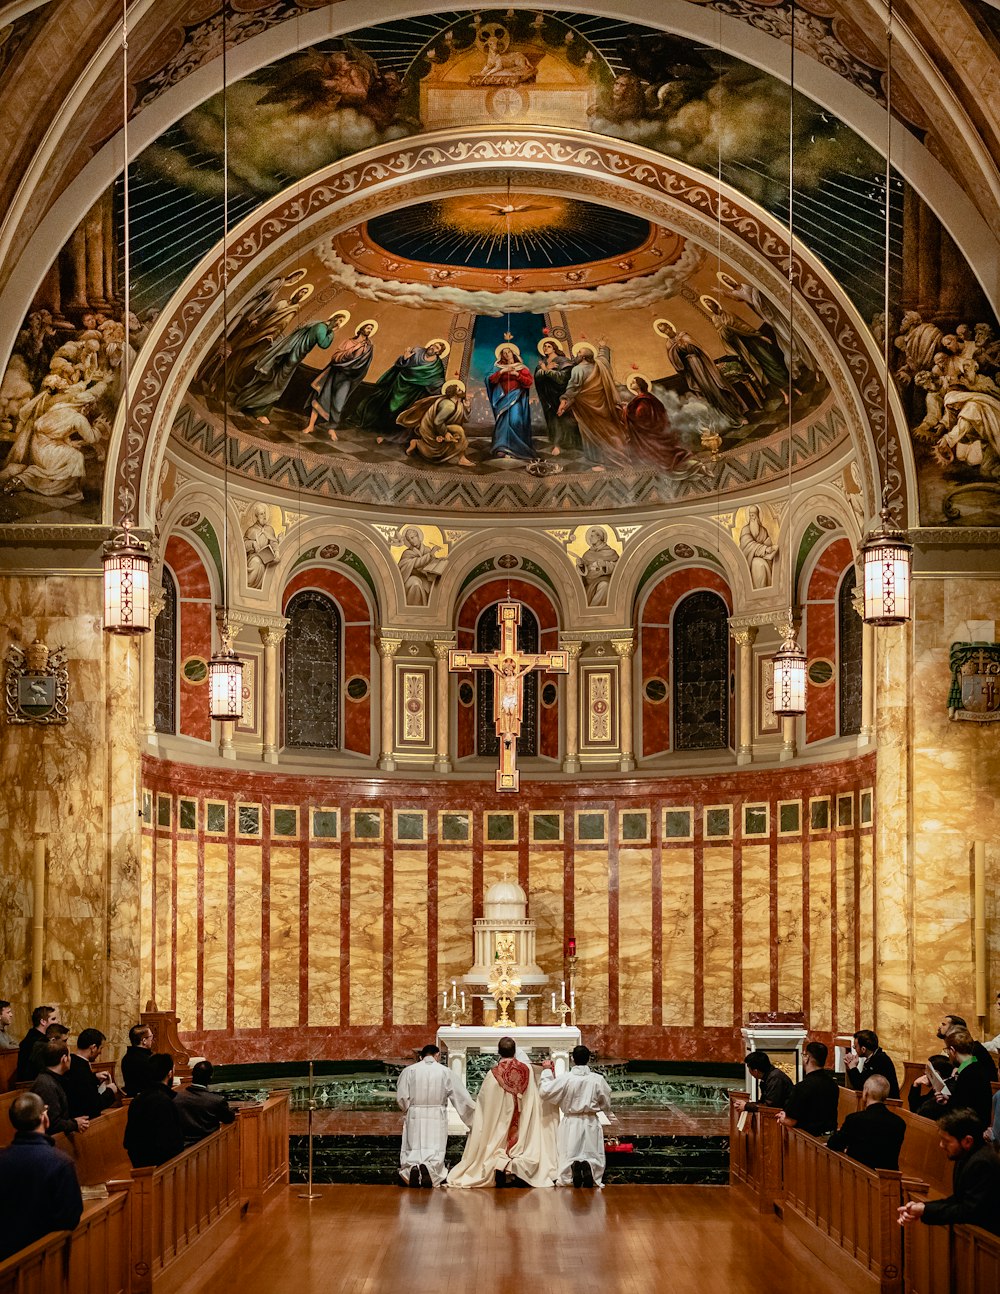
point(580, 1095)
point(423, 1092)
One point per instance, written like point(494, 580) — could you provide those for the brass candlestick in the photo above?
point(571, 961)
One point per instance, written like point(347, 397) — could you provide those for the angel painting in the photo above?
point(316, 84)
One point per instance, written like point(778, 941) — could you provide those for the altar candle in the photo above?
point(454, 992)
point(572, 999)
point(553, 1000)
point(463, 999)
point(562, 990)
point(444, 1002)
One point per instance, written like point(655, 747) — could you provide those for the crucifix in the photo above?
point(508, 667)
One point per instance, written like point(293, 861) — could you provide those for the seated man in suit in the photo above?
point(153, 1128)
point(873, 1136)
point(88, 1093)
point(55, 1032)
point(200, 1110)
point(49, 1086)
point(922, 1098)
point(867, 1050)
point(970, 1087)
point(812, 1105)
point(38, 1183)
point(40, 1019)
point(978, 1050)
point(975, 1183)
point(135, 1061)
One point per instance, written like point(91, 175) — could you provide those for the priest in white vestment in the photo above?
point(580, 1095)
point(423, 1092)
point(513, 1135)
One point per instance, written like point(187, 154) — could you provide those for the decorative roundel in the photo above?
point(600, 707)
point(820, 671)
point(828, 523)
point(329, 551)
point(683, 551)
point(195, 670)
point(655, 690)
point(413, 706)
point(356, 688)
point(508, 562)
point(190, 519)
point(550, 694)
point(466, 693)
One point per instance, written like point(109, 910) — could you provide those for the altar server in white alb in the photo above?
point(423, 1093)
point(580, 1095)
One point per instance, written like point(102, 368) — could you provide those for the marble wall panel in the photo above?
point(820, 935)
point(500, 863)
point(790, 943)
point(590, 902)
point(546, 908)
point(409, 936)
point(677, 907)
point(367, 892)
point(846, 1021)
point(284, 920)
point(247, 955)
point(717, 936)
point(757, 951)
point(635, 936)
point(146, 922)
point(865, 931)
point(324, 936)
point(215, 934)
point(454, 923)
point(186, 984)
point(163, 892)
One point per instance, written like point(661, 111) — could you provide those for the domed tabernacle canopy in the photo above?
point(505, 901)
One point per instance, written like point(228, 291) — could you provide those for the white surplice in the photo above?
point(532, 1157)
point(580, 1094)
point(423, 1092)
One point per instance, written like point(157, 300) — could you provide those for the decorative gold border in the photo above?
point(712, 808)
point(820, 799)
point(409, 841)
point(634, 842)
point(755, 835)
point(782, 831)
point(368, 840)
point(870, 820)
point(452, 843)
point(297, 809)
point(677, 840)
point(325, 808)
point(844, 797)
point(545, 813)
point(488, 840)
point(590, 843)
point(210, 831)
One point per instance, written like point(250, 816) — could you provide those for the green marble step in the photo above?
point(373, 1160)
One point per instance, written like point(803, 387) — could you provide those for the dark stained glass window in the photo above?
point(849, 635)
point(165, 659)
point(488, 640)
point(312, 672)
point(701, 673)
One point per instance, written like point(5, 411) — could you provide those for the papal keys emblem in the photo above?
point(975, 682)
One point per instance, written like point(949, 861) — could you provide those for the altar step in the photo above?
point(655, 1160)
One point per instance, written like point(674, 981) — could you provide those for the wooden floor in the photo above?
point(623, 1240)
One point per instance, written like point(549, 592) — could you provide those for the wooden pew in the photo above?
point(6, 1127)
point(38, 1269)
point(975, 1260)
point(844, 1213)
point(922, 1158)
point(755, 1154)
point(99, 1152)
point(8, 1067)
point(263, 1136)
point(93, 1259)
point(182, 1211)
point(848, 1102)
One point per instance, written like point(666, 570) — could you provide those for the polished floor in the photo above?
point(623, 1240)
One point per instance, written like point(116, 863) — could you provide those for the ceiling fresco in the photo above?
point(694, 368)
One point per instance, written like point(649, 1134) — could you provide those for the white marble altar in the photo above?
point(506, 931)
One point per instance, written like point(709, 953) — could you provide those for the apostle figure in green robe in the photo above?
point(275, 368)
point(417, 373)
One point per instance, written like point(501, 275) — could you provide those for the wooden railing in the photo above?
point(263, 1135)
point(843, 1212)
point(39, 1269)
point(975, 1260)
point(755, 1153)
point(182, 1210)
point(93, 1259)
point(922, 1158)
point(99, 1153)
point(8, 1067)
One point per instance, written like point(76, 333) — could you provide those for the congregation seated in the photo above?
point(975, 1196)
point(970, 1086)
point(774, 1087)
point(873, 1136)
point(922, 1098)
point(38, 1183)
point(153, 1131)
point(7, 1041)
point(41, 1017)
point(87, 1093)
point(50, 1086)
point(201, 1111)
point(812, 1104)
point(866, 1048)
point(135, 1061)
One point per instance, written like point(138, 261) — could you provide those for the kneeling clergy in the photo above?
point(423, 1092)
point(580, 1095)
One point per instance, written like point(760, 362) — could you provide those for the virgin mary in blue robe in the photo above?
point(507, 387)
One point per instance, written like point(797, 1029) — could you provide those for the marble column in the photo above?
point(148, 668)
point(744, 639)
point(571, 759)
point(625, 650)
point(867, 734)
point(442, 761)
point(78, 268)
point(271, 637)
point(387, 648)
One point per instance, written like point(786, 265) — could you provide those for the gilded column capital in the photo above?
point(387, 647)
point(858, 602)
point(745, 636)
point(443, 646)
point(572, 649)
point(272, 636)
point(157, 601)
point(624, 647)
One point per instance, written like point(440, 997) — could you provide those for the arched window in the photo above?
point(701, 673)
point(488, 640)
point(312, 672)
point(165, 659)
point(849, 635)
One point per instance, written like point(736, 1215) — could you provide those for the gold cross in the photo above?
point(508, 667)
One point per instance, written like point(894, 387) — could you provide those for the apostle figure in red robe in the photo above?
point(652, 442)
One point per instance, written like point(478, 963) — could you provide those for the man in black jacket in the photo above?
point(153, 1128)
point(774, 1087)
point(812, 1105)
point(38, 1183)
point(135, 1062)
point(49, 1086)
point(54, 1032)
point(970, 1087)
point(978, 1050)
point(86, 1092)
point(41, 1017)
point(975, 1183)
point(866, 1048)
point(201, 1111)
point(873, 1136)
point(921, 1098)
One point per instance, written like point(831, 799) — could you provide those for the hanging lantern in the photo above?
point(126, 583)
point(887, 556)
point(225, 684)
point(789, 679)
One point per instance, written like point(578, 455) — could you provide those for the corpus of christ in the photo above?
point(499, 514)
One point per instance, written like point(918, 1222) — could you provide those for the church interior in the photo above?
point(499, 522)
